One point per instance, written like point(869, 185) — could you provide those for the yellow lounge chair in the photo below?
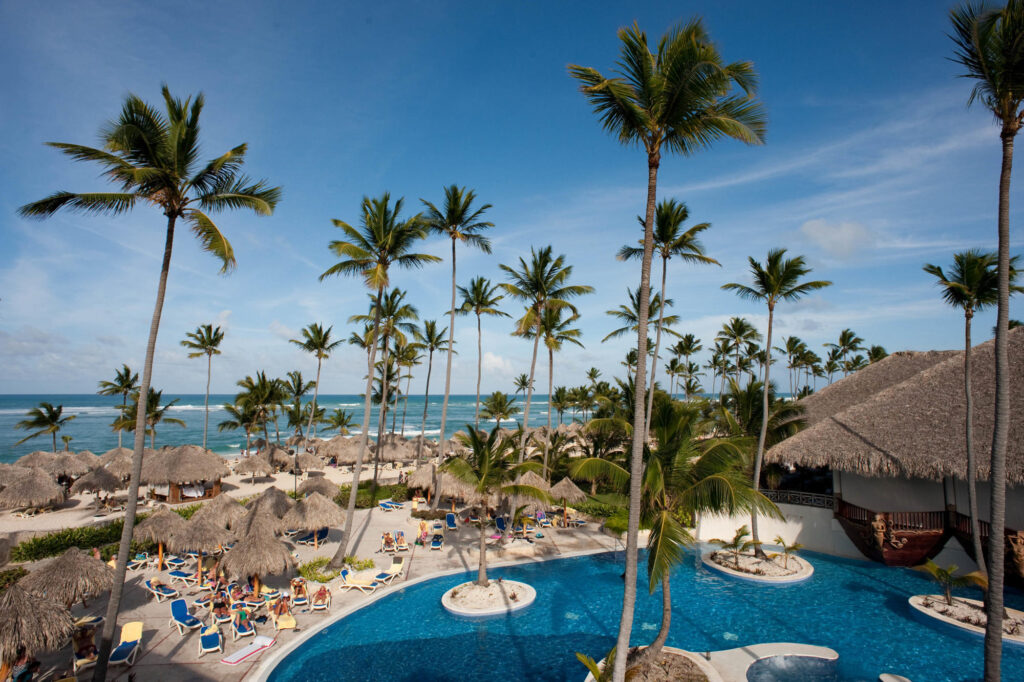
point(350, 583)
point(285, 621)
point(128, 648)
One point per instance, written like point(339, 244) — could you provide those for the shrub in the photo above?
point(595, 509)
point(317, 571)
point(105, 537)
point(365, 498)
point(429, 514)
point(187, 511)
point(11, 576)
point(358, 564)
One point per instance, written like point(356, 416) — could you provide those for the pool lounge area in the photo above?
point(857, 608)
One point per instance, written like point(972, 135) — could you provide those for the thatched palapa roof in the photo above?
point(257, 554)
point(34, 488)
point(568, 491)
point(254, 465)
point(181, 465)
point(915, 428)
point(319, 485)
point(67, 464)
point(222, 510)
point(199, 535)
point(99, 479)
point(114, 454)
point(160, 526)
point(38, 623)
point(36, 459)
point(307, 461)
point(88, 458)
point(273, 500)
point(314, 512)
point(70, 578)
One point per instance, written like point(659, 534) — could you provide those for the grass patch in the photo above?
point(366, 498)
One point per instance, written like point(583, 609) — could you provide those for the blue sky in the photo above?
point(872, 166)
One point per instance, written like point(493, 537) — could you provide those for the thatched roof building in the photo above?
point(913, 427)
point(71, 577)
point(97, 480)
point(273, 500)
point(184, 472)
point(314, 512)
point(38, 623)
point(319, 484)
point(257, 554)
point(222, 510)
point(33, 488)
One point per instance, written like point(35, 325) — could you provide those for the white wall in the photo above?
point(891, 494)
point(1014, 503)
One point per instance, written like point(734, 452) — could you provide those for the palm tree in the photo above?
point(988, 46)
point(480, 298)
point(295, 386)
point(680, 98)
point(556, 330)
point(407, 355)
point(832, 363)
point(739, 544)
point(523, 383)
point(972, 285)
point(154, 158)
point(560, 401)
point(156, 414)
point(592, 375)
point(629, 314)
point(384, 240)
point(848, 343)
point(431, 339)
point(499, 407)
point(205, 340)
point(669, 240)
point(339, 421)
point(262, 395)
point(541, 284)
point(490, 469)
point(125, 383)
point(44, 419)
point(317, 342)
point(737, 332)
point(876, 353)
point(777, 280)
point(240, 416)
point(460, 221)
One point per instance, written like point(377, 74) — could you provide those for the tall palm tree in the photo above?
point(670, 240)
point(556, 330)
point(155, 415)
point(541, 284)
point(847, 343)
point(262, 395)
point(460, 221)
point(432, 340)
point(407, 355)
point(240, 416)
point(876, 353)
point(499, 407)
point(339, 420)
point(205, 340)
point(384, 239)
point(680, 98)
point(480, 298)
point(832, 364)
point(490, 470)
point(560, 401)
point(523, 383)
point(972, 285)
point(737, 332)
point(316, 341)
point(124, 384)
point(295, 387)
point(778, 279)
point(44, 419)
point(154, 158)
point(593, 374)
point(629, 315)
point(988, 45)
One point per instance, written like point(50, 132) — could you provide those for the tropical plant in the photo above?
point(44, 419)
point(847, 343)
point(670, 239)
point(778, 279)
point(499, 407)
point(407, 355)
point(480, 298)
point(489, 469)
point(948, 579)
point(560, 401)
point(541, 284)
point(125, 382)
point(460, 221)
point(739, 544)
point(593, 374)
point(737, 332)
point(876, 353)
point(317, 342)
point(432, 340)
point(523, 383)
point(383, 240)
point(156, 414)
point(205, 340)
point(339, 420)
point(154, 158)
point(972, 285)
point(787, 550)
point(600, 673)
point(240, 416)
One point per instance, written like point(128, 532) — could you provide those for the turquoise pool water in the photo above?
point(857, 608)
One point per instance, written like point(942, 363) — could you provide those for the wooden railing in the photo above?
point(962, 524)
point(917, 520)
point(800, 498)
point(853, 512)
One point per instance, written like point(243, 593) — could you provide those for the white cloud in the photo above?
point(496, 364)
point(841, 239)
point(282, 331)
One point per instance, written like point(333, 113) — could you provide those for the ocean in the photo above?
point(90, 430)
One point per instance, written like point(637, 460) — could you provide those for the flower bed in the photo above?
point(968, 614)
point(772, 568)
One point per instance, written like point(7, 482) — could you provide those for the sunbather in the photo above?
point(299, 589)
point(387, 542)
point(220, 605)
point(281, 607)
point(84, 641)
point(322, 595)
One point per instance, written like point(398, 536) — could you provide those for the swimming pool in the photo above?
point(858, 608)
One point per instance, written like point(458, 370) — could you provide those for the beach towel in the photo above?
point(258, 644)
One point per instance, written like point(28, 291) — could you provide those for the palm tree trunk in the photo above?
point(636, 464)
point(447, 377)
point(972, 467)
point(114, 605)
point(657, 347)
point(547, 436)
point(529, 393)
point(383, 421)
point(316, 394)
point(426, 402)
point(54, 434)
point(996, 542)
point(481, 573)
point(759, 458)
point(339, 557)
point(405, 404)
point(479, 367)
point(206, 402)
point(652, 651)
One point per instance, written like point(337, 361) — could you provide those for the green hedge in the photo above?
point(11, 576)
point(317, 571)
point(365, 498)
point(429, 514)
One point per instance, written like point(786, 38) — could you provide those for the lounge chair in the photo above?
point(83, 662)
point(188, 579)
point(530, 528)
point(350, 583)
point(449, 522)
point(316, 538)
point(385, 506)
point(395, 570)
point(500, 524)
point(543, 520)
point(128, 648)
point(141, 560)
point(321, 605)
point(473, 518)
point(210, 640)
point(285, 621)
point(518, 531)
point(292, 532)
point(437, 542)
point(437, 527)
point(299, 600)
point(174, 562)
point(161, 592)
point(182, 619)
point(245, 628)
point(89, 622)
point(400, 543)
point(387, 544)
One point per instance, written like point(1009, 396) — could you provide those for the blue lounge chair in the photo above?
point(188, 579)
point(517, 531)
point(243, 628)
point(161, 592)
point(499, 523)
point(141, 560)
point(437, 542)
point(299, 600)
point(210, 640)
point(543, 520)
point(449, 522)
point(385, 506)
point(182, 619)
point(400, 542)
point(174, 562)
point(128, 648)
point(313, 538)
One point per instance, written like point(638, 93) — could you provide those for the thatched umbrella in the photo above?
point(258, 553)
point(199, 535)
point(114, 454)
point(313, 513)
point(67, 464)
point(36, 459)
point(159, 527)
point(71, 577)
point(88, 458)
point(96, 481)
point(181, 465)
point(120, 464)
point(222, 510)
point(319, 485)
point(274, 500)
point(9, 472)
point(34, 488)
point(37, 623)
point(259, 519)
point(308, 461)
point(254, 464)
point(567, 491)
